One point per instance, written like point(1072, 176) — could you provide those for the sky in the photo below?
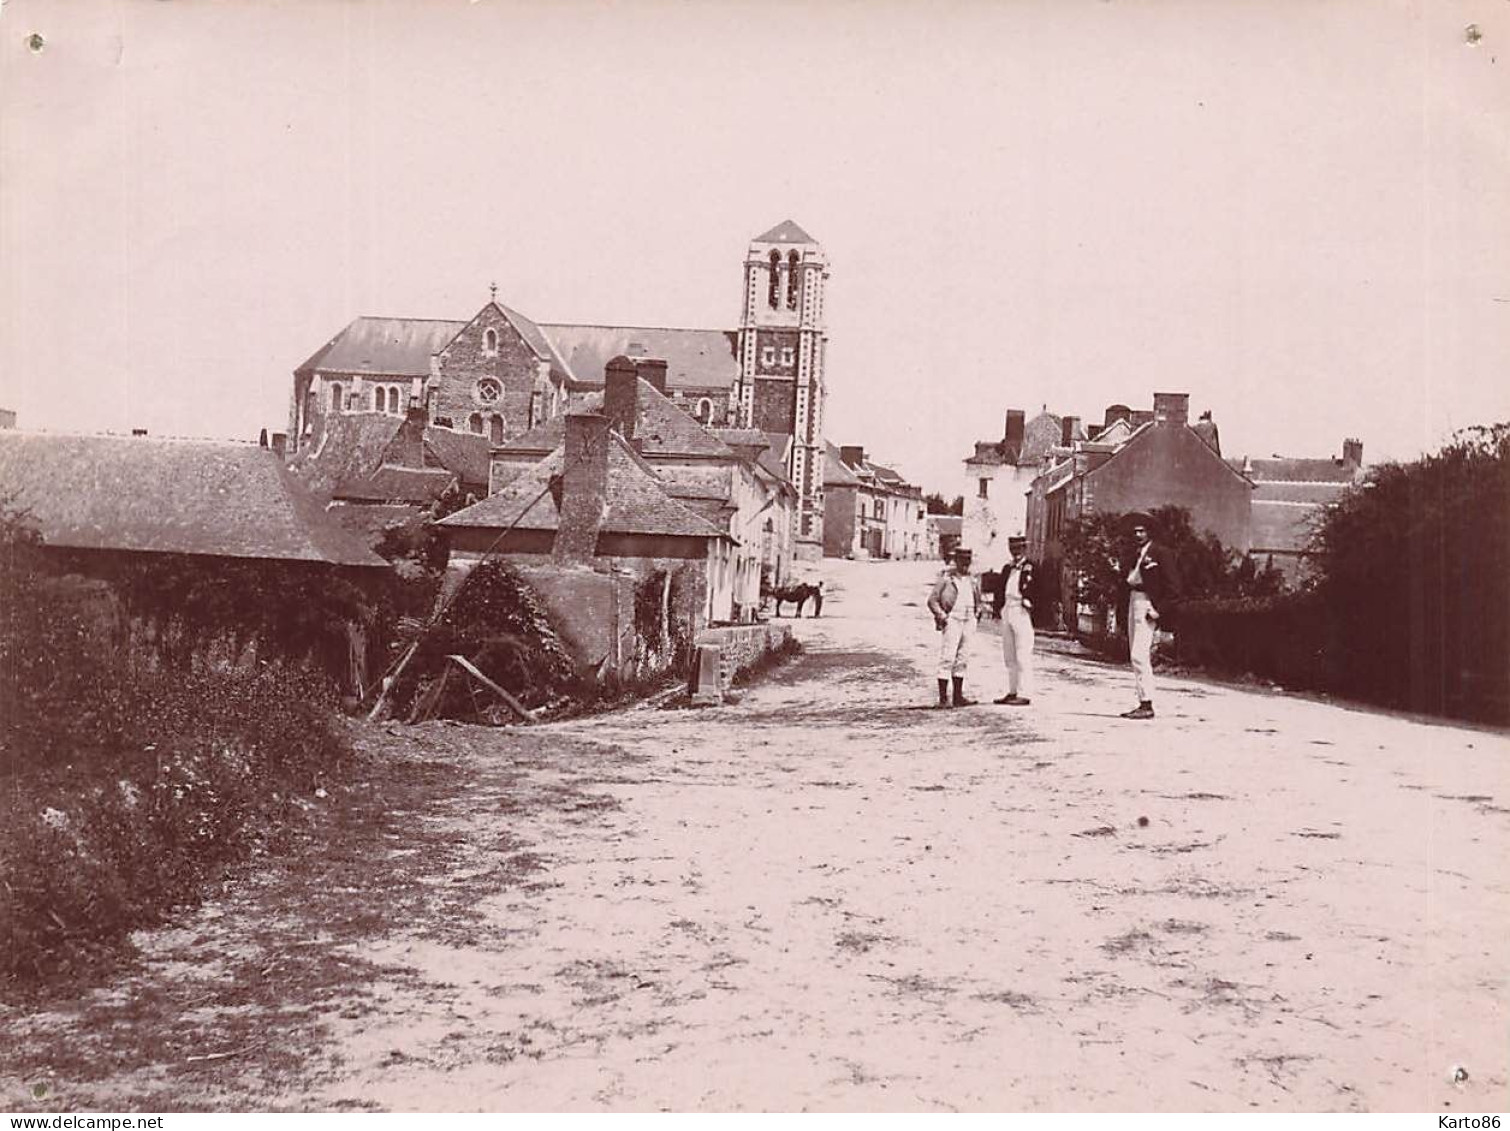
point(1298, 212)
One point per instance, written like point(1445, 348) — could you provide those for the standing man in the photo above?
point(1149, 579)
point(956, 605)
point(1014, 605)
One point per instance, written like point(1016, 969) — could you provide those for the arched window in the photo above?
point(495, 428)
point(335, 398)
point(775, 295)
point(379, 399)
point(393, 400)
point(704, 410)
point(792, 276)
point(474, 422)
point(490, 340)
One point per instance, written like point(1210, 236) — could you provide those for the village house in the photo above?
point(372, 469)
point(103, 502)
point(1289, 496)
point(944, 534)
point(732, 477)
point(998, 476)
point(501, 374)
point(1138, 461)
point(870, 510)
point(589, 526)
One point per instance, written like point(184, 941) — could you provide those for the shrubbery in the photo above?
point(126, 783)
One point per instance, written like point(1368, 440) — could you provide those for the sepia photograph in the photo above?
point(640, 556)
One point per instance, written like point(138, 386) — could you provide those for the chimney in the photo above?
point(1070, 427)
point(1171, 408)
point(280, 444)
point(1352, 453)
point(653, 369)
point(1094, 430)
point(138, 431)
point(1114, 413)
point(1012, 438)
point(583, 486)
point(852, 455)
point(621, 396)
point(262, 439)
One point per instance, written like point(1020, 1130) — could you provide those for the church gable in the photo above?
point(486, 378)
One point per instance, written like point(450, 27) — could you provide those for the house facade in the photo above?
point(1000, 473)
point(871, 511)
point(1289, 497)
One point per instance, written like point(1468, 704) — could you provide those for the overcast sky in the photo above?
point(1298, 212)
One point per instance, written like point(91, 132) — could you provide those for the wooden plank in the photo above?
point(470, 668)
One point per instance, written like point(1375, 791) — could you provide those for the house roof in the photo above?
point(661, 429)
point(785, 232)
point(836, 473)
point(1307, 493)
point(465, 453)
point(171, 496)
point(351, 448)
point(1039, 435)
point(1280, 469)
point(1147, 429)
point(534, 337)
point(391, 484)
point(947, 523)
point(695, 359)
point(1281, 526)
point(389, 347)
point(637, 501)
point(773, 459)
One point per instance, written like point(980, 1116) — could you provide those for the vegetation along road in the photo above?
point(828, 896)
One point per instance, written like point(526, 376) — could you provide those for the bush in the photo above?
point(1281, 638)
point(124, 785)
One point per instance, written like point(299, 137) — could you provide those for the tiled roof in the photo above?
point(661, 429)
point(947, 523)
point(170, 496)
point(537, 340)
point(638, 502)
point(351, 448)
point(773, 459)
point(465, 453)
point(1038, 436)
point(836, 473)
point(785, 232)
point(1282, 470)
point(1311, 493)
point(695, 359)
point(390, 347)
point(390, 484)
point(1281, 526)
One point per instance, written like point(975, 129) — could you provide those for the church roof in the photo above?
point(1279, 469)
point(385, 347)
point(141, 493)
point(695, 359)
point(785, 232)
point(636, 501)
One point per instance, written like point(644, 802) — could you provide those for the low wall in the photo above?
point(740, 646)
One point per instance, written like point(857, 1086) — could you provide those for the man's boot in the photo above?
point(959, 693)
point(943, 693)
point(1143, 710)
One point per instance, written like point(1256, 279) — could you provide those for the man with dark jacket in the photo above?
point(1014, 605)
point(1148, 577)
point(956, 606)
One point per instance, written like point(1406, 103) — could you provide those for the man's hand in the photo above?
point(1153, 616)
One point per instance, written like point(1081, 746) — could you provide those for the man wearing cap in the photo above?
point(1148, 578)
point(1014, 605)
point(956, 605)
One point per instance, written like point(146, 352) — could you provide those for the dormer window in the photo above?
point(490, 342)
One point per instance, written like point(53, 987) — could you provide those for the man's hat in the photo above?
point(1135, 519)
point(963, 552)
point(1015, 541)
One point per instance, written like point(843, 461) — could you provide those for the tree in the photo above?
point(936, 504)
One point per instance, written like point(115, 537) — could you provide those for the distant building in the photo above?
point(7, 418)
point(999, 474)
point(1289, 496)
point(944, 533)
point(870, 510)
point(501, 374)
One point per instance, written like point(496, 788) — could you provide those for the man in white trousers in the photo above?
point(1150, 580)
point(956, 607)
point(1014, 605)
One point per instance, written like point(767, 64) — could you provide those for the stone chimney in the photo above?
point(1071, 425)
point(1171, 408)
point(583, 487)
point(1114, 413)
point(1011, 440)
point(280, 444)
point(653, 369)
point(138, 431)
point(1094, 430)
point(621, 396)
point(852, 454)
point(1207, 430)
point(1352, 453)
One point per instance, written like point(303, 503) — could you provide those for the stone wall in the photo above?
point(741, 646)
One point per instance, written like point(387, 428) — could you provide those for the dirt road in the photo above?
point(827, 896)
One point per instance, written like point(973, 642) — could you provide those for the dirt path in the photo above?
point(827, 897)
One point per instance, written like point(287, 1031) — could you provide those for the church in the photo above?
point(500, 374)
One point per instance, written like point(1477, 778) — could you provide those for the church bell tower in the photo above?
point(782, 341)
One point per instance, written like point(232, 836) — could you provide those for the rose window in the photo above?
point(488, 390)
